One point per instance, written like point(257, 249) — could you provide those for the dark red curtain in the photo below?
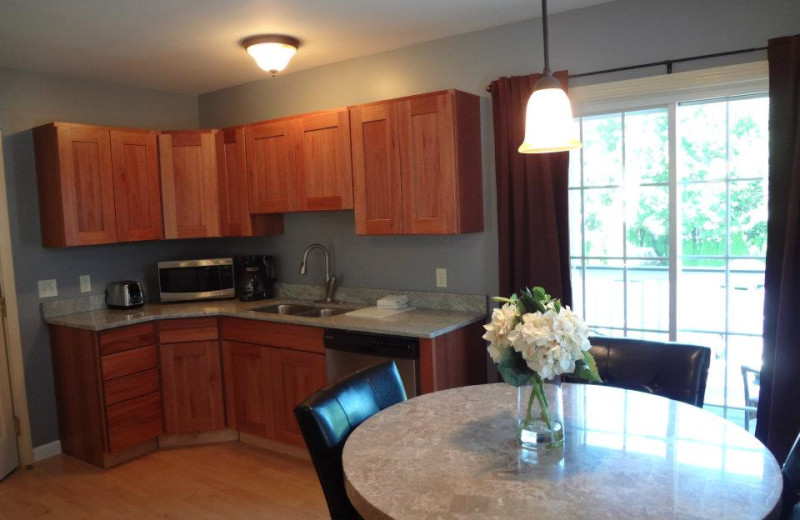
point(532, 198)
point(779, 400)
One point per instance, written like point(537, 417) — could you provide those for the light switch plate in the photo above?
point(47, 288)
point(441, 277)
point(86, 283)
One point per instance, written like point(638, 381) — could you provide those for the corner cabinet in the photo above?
point(235, 217)
point(300, 163)
point(417, 165)
point(97, 185)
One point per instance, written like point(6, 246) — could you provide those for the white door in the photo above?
point(9, 454)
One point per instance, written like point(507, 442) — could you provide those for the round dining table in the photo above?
point(453, 454)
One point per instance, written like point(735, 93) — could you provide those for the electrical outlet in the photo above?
point(441, 277)
point(86, 283)
point(47, 288)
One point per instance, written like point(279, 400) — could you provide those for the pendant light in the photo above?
point(272, 52)
point(548, 118)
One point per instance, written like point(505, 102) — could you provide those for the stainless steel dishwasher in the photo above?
point(347, 351)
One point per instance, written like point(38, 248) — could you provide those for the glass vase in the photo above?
point(540, 414)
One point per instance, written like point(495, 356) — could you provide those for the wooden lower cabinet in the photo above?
point(295, 376)
point(191, 379)
point(248, 391)
point(264, 382)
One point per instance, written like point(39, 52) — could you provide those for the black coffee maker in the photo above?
point(254, 277)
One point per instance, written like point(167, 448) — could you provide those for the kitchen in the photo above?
point(583, 41)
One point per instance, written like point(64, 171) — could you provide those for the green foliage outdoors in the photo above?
point(717, 141)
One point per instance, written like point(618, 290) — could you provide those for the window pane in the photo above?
point(603, 217)
point(576, 273)
point(648, 221)
point(748, 218)
point(746, 296)
point(602, 150)
point(748, 123)
point(575, 168)
point(701, 298)
point(650, 336)
point(648, 294)
point(575, 223)
point(605, 291)
point(646, 139)
point(742, 351)
point(702, 134)
point(703, 211)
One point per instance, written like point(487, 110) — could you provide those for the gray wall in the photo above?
point(30, 99)
point(621, 33)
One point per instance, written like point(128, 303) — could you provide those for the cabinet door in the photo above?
point(87, 187)
point(295, 376)
point(248, 388)
point(189, 184)
point(376, 170)
point(137, 187)
point(428, 164)
point(234, 205)
point(324, 173)
point(191, 381)
point(271, 167)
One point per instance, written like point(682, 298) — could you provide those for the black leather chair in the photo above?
point(791, 483)
point(673, 370)
point(328, 417)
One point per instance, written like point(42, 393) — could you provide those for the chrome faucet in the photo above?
point(330, 281)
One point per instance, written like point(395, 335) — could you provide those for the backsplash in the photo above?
point(422, 300)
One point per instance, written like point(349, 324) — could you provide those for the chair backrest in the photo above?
point(673, 370)
point(791, 480)
point(327, 418)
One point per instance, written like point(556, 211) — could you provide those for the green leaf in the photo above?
point(539, 294)
point(501, 299)
point(513, 368)
point(588, 369)
point(557, 305)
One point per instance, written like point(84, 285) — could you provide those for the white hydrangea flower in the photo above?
point(497, 331)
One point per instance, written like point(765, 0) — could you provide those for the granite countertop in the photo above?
point(419, 323)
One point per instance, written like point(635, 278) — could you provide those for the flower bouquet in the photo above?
point(534, 339)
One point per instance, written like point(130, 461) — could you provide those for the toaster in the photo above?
point(125, 294)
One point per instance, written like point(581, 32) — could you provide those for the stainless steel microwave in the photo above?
point(188, 280)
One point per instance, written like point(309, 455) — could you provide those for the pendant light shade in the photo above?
point(548, 117)
point(272, 52)
point(548, 120)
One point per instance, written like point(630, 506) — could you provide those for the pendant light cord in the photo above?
point(547, 71)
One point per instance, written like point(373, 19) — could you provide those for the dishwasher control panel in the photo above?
point(372, 344)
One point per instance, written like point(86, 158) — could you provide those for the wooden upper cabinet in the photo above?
point(324, 172)
point(234, 204)
point(189, 185)
point(376, 169)
point(441, 188)
point(76, 192)
point(137, 186)
point(271, 167)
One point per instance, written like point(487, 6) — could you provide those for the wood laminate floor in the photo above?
point(231, 480)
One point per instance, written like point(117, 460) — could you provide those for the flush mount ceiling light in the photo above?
point(272, 52)
point(548, 118)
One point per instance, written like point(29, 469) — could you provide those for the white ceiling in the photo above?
point(192, 46)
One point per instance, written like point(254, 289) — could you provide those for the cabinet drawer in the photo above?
point(134, 421)
point(192, 329)
point(128, 387)
point(295, 337)
point(127, 338)
point(128, 362)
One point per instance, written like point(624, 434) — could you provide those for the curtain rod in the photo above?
point(666, 63)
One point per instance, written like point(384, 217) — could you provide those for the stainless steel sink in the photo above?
point(306, 311)
point(323, 312)
point(285, 308)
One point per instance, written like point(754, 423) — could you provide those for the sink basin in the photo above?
point(323, 312)
point(285, 308)
point(306, 311)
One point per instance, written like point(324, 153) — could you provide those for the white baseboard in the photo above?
point(45, 451)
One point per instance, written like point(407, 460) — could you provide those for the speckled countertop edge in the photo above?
point(419, 323)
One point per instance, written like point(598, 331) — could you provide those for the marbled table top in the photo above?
point(454, 455)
